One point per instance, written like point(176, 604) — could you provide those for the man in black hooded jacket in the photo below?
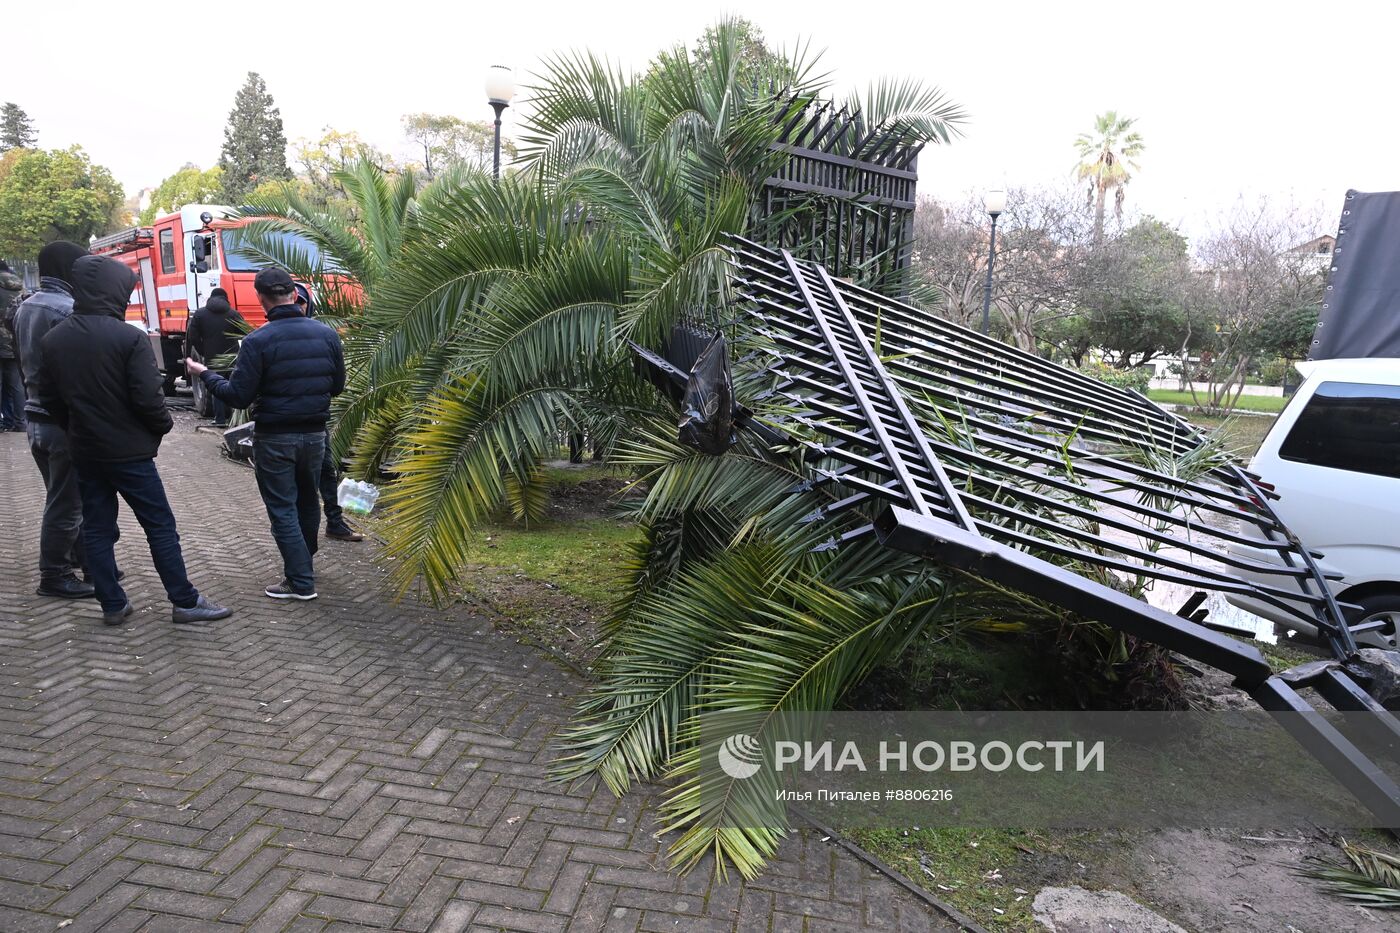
point(60, 532)
point(214, 331)
point(98, 379)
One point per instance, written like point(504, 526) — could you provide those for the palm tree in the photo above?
point(500, 322)
point(504, 322)
point(1105, 156)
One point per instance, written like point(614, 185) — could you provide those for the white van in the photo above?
point(1333, 457)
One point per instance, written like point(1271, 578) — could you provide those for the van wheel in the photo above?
point(1377, 607)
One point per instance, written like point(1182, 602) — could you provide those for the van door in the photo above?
point(1337, 472)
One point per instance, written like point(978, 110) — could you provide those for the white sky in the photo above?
point(1291, 100)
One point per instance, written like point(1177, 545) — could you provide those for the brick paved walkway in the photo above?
point(338, 765)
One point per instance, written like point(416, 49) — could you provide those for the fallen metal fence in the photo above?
point(949, 445)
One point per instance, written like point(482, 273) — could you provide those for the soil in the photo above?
point(1218, 881)
point(537, 613)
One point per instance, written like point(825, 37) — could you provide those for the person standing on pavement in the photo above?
point(286, 374)
point(336, 526)
point(11, 379)
point(213, 331)
point(98, 380)
point(60, 532)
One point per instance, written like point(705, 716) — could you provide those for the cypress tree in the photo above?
point(255, 149)
point(16, 129)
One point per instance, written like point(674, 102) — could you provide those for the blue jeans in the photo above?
point(139, 484)
point(288, 470)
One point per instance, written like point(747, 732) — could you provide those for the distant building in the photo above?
point(1316, 254)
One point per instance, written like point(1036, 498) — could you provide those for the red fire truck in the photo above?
point(178, 260)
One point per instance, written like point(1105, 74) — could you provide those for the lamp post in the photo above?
point(995, 203)
point(500, 88)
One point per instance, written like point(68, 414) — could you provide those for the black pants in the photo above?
point(139, 485)
point(288, 469)
point(220, 409)
point(11, 394)
point(60, 532)
point(330, 479)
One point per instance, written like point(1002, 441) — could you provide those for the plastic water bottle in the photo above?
point(356, 496)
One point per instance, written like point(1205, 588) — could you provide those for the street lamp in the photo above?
point(500, 88)
point(995, 202)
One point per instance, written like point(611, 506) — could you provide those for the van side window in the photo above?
point(1348, 426)
point(167, 251)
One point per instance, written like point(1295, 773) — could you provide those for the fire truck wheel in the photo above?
point(203, 405)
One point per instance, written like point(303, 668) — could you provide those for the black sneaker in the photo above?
point(341, 531)
point(283, 590)
point(118, 617)
point(202, 611)
point(66, 588)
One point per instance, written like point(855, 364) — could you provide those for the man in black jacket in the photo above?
point(98, 379)
point(287, 372)
point(11, 380)
point(213, 331)
point(60, 531)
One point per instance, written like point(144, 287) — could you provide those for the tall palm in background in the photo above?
point(1105, 157)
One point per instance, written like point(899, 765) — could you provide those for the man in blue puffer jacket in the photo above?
point(286, 373)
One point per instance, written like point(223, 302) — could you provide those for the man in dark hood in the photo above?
point(213, 331)
point(60, 532)
point(98, 379)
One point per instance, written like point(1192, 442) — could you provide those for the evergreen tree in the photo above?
point(16, 129)
point(255, 150)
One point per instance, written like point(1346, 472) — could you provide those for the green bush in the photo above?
point(1271, 372)
point(1136, 379)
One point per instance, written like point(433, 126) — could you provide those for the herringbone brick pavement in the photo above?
point(343, 764)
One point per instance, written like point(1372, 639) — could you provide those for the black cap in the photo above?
point(273, 282)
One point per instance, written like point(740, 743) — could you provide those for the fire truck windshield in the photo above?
point(285, 244)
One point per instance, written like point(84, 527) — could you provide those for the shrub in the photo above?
point(1272, 372)
point(1136, 379)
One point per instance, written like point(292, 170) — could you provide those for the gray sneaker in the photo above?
point(201, 611)
point(118, 617)
point(284, 590)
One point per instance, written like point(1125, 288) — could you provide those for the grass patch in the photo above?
point(992, 875)
point(1262, 403)
point(562, 473)
point(1242, 435)
point(581, 558)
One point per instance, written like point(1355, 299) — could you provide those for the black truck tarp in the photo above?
point(1361, 306)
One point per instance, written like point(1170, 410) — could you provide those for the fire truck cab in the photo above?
point(178, 260)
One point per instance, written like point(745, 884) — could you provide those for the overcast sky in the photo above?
point(1295, 101)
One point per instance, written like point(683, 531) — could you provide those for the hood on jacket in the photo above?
point(101, 286)
point(56, 259)
point(218, 305)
